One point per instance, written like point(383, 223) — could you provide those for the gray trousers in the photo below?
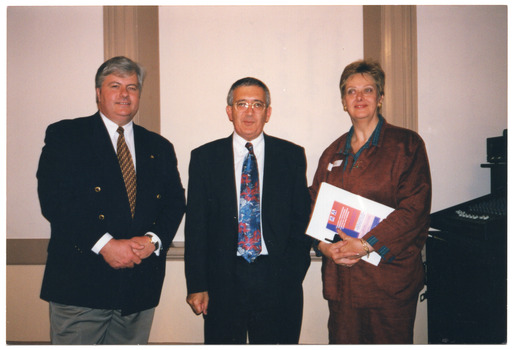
point(75, 325)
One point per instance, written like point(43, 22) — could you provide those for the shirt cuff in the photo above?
point(102, 242)
point(159, 245)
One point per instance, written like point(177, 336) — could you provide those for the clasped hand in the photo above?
point(346, 252)
point(126, 253)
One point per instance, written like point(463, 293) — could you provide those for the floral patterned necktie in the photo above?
point(249, 227)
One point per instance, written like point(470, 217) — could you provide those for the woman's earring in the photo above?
point(345, 108)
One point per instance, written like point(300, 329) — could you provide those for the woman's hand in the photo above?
point(340, 252)
point(346, 252)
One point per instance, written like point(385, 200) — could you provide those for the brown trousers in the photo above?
point(393, 324)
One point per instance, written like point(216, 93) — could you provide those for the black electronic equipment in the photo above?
point(466, 264)
point(497, 148)
point(483, 218)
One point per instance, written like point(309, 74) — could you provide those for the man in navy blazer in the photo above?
point(261, 300)
point(105, 265)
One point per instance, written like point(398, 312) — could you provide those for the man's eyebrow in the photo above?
point(118, 82)
point(245, 100)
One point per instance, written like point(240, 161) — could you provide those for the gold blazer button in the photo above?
point(97, 189)
point(101, 217)
point(158, 196)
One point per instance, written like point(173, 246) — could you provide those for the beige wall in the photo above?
point(462, 95)
point(53, 54)
point(27, 315)
point(299, 52)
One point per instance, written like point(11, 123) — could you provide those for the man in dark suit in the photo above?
point(259, 294)
point(112, 220)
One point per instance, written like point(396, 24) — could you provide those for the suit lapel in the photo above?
point(272, 181)
point(145, 163)
point(101, 145)
point(222, 164)
point(103, 148)
point(271, 170)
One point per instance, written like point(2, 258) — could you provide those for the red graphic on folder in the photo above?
point(351, 221)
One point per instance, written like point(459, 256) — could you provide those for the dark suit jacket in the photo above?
point(82, 194)
point(211, 226)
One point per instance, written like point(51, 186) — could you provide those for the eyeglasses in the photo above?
point(242, 106)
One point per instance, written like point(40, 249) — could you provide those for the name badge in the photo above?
point(335, 164)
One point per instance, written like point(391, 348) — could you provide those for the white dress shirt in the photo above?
point(239, 153)
point(130, 142)
point(128, 136)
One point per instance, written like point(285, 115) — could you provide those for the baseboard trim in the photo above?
point(33, 251)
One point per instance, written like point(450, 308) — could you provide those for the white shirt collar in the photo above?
point(112, 127)
point(239, 142)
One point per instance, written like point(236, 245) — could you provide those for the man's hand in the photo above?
point(198, 302)
point(119, 253)
point(144, 241)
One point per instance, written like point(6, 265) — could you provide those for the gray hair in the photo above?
point(121, 66)
point(248, 82)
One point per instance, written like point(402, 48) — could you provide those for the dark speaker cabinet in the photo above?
point(466, 289)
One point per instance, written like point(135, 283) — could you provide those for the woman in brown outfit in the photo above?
point(371, 304)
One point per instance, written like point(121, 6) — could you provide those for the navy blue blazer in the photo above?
point(83, 196)
point(211, 225)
